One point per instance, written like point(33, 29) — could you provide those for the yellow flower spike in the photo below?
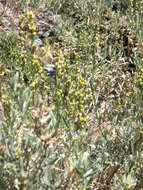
point(35, 56)
point(65, 110)
point(8, 103)
point(59, 93)
point(40, 70)
point(87, 91)
point(30, 15)
point(32, 27)
point(34, 33)
point(78, 94)
point(60, 73)
point(34, 62)
point(34, 45)
point(21, 39)
point(67, 99)
point(33, 84)
point(82, 102)
point(23, 54)
point(3, 98)
point(21, 18)
point(43, 77)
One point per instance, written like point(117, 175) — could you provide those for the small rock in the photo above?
point(50, 70)
point(38, 42)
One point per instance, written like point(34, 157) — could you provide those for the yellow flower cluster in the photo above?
point(23, 54)
point(27, 28)
point(21, 18)
point(32, 28)
point(30, 15)
point(33, 84)
point(31, 25)
point(21, 39)
point(5, 101)
point(28, 55)
point(72, 90)
point(35, 62)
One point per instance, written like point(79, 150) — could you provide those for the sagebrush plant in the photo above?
point(82, 128)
